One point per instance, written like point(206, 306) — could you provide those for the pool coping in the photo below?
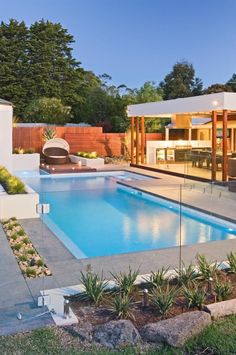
point(228, 219)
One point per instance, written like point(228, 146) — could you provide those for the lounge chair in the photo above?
point(56, 151)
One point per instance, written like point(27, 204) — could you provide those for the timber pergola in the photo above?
point(220, 105)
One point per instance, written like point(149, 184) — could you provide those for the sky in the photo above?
point(136, 41)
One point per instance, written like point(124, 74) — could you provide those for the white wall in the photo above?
point(25, 162)
point(6, 113)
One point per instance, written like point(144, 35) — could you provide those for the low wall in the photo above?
point(21, 206)
point(25, 161)
point(79, 138)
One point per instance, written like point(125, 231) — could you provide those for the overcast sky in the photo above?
point(139, 40)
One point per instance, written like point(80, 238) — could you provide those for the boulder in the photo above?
point(222, 309)
point(82, 330)
point(177, 330)
point(116, 334)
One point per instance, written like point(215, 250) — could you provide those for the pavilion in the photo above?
point(218, 108)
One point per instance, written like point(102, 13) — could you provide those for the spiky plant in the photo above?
point(122, 306)
point(232, 262)
point(223, 289)
point(95, 287)
point(125, 281)
point(207, 270)
point(187, 275)
point(163, 299)
point(157, 278)
point(194, 296)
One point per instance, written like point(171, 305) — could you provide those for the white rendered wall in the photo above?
point(25, 162)
point(6, 113)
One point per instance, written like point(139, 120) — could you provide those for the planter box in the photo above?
point(21, 206)
point(91, 163)
point(25, 161)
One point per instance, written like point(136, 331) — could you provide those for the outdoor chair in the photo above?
point(56, 151)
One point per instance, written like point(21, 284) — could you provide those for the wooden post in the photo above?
point(213, 145)
point(137, 140)
point(142, 139)
point(132, 140)
point(224, 146)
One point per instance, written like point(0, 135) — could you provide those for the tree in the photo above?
point(13, 63)
point(181, 82)
point(53, 71)
point(214, 88)
point(48, 110)
point(232, 82)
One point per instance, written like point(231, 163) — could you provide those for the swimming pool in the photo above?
point(94, 216)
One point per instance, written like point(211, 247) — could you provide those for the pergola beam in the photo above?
point(224, 146)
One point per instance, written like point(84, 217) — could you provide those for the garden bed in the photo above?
point(189, 290)
point(29, 260)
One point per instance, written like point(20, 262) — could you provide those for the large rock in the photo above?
point(83, 330)
point(116, 334)
point(177, 330)
point(222, 309)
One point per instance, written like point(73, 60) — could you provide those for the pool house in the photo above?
point(198, 142)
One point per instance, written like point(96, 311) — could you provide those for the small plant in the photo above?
point(31, 251)
point(26, 240)
point(10, 227)
point(122, 305)
point(18, 246)
point(23, 258)
point(125, 281)
point(18, 150)
point(30, 272)
point(194, 296)
point(207, 271)
point(29, 151)
point(163, 299)
point(49, 133)
point(223, 289)
point(158, 278)
point(95, 287)
point(21, 232)
point(14, 236)
point(232, 262)
point(15, 186)
point(39, 262)
point(186, 276)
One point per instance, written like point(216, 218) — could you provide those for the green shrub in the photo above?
point(122, 305)
point(18, 246)
point(163, 299)
point(95, 287)
point(207, 270)
point(30, 272)
point(11, 184)
point(186, 276)
point(158, 278)
point(194, 296)
point(223, 289)
point(39, 262)
point(14, 236)
point(15, 186)
point(49, 133)
point(26, 240)
point(29, 151)
point(232, 262)
point(31, 251)
point(125, 281)
point(10, 227)
point(88, 155)
point(23, 258)
point(21, 232)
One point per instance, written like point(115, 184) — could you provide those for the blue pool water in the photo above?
point(93, 216)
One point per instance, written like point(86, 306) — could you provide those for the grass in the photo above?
point(218, 339)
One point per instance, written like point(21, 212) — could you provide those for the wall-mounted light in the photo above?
point(215, 103)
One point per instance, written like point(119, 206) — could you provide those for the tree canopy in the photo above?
point(40, 75)
point(181, 82)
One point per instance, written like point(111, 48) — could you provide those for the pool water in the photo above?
point(94, 216)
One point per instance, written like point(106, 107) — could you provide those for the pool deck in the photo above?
point(20, 295)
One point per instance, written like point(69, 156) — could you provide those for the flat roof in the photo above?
point(194, 105)
point(4, 102)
